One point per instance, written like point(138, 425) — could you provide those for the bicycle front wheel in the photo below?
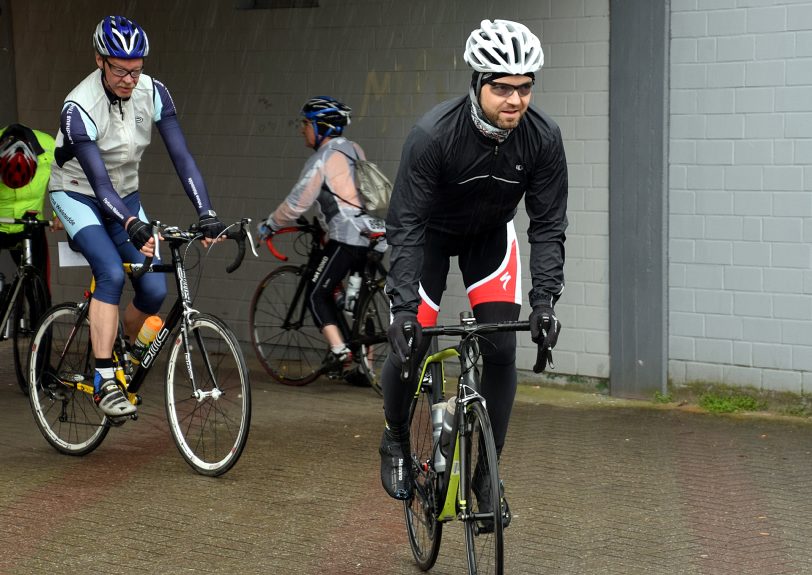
point(208, 396)
point(425, 532)
point(32, 301)
point(287, 342)
point(483, 521)
point(370, 330)
point(60, 382)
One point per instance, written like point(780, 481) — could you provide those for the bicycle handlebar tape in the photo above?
point(138, 272)
point(239, 237)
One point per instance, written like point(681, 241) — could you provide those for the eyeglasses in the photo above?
point(506, 90)
point(120, 72)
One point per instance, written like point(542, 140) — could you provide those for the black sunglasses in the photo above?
point(506, 90)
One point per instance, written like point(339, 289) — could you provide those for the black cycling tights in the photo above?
point(498, 373)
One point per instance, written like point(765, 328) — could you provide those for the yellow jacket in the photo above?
point(15, 202)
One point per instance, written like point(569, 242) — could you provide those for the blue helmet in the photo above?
point(328, 116)
point(119, 37)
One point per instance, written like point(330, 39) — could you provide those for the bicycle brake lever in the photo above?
point(247, 229)
point(156, 235)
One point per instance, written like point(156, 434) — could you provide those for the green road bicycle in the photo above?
point(455, 471)
point(25, 299)
point(207, 389)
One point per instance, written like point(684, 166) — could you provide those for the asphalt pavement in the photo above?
point(596, 486)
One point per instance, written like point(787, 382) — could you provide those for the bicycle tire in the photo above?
point(484, 543)
point(67, 416)
point(370, 327)
point(210, 431)
point(290, 354)
point(421, 511)
point(32, 301)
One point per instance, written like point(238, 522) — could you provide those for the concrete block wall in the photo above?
point(740, 204)
point(238, 77)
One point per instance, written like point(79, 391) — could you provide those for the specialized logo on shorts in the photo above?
point(503, 284)
point(519, 167)
point(138, 119)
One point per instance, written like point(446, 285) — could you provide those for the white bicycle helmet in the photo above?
point(504, 47)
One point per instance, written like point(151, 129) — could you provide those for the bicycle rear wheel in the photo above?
point(483, 527)
point(370, 330)
point(60, 382)
point(425, 532)
point(292, 352)
point(32, 301)
point(209, 410)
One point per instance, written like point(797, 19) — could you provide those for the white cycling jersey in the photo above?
point(122, 129)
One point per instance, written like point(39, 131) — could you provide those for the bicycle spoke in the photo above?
point(286, 341)
point(483, 521)
point(67, 417)
point(371, 326)
point(209, 410)
point(425, 532)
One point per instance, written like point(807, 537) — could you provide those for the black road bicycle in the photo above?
point(287, 342)
point(25, 299)
point(208, 395)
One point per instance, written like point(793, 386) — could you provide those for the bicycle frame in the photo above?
point(374, 273)
point(453, 482)
point(25, 269)
point(179, 313)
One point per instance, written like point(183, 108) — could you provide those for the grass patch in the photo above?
point(662, 397)
point(730, 403)
point(723, 398)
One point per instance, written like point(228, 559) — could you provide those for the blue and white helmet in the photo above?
point(119, 37)
point(327, 115)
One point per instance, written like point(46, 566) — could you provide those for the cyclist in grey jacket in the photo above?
point(327, 182)
point(465, 167)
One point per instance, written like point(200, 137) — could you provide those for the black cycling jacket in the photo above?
point(454, 179)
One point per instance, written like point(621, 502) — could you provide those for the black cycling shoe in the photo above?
point(396, 464)
point(482, 491)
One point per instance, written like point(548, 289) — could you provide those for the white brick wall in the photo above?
point(238, 77)
point(741, 212)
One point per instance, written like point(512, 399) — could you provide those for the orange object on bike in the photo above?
point(149, 331)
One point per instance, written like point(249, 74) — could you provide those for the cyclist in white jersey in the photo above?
point(105, 125)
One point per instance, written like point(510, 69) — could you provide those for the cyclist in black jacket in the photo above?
point(464, 168)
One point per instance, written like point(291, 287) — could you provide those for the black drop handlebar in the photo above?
point(469, 327)
point(239, 235)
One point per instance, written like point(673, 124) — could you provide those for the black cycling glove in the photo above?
point(544, 330)
point(210, 225)
point(139, 232)
point(397, 338)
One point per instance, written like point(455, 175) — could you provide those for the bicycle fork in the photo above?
point(199, 394)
